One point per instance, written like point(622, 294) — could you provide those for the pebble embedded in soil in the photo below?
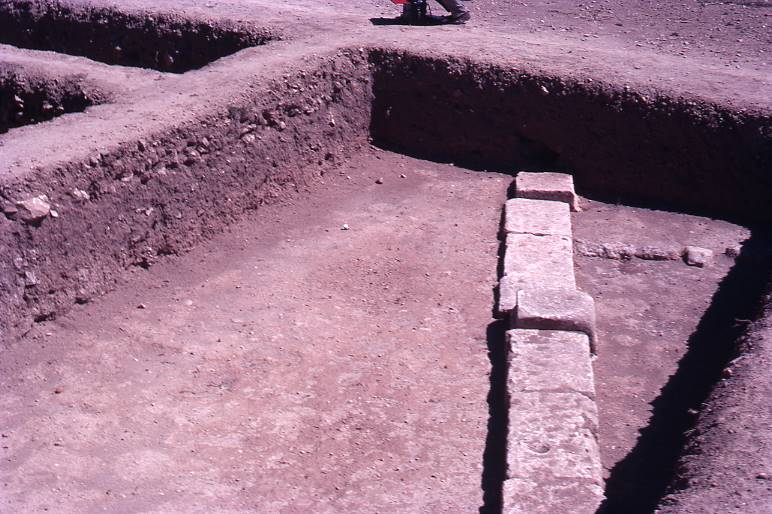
point(34, 210)
point(733, 251)
point(696, 256)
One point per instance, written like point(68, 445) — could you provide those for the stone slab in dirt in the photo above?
point(287, 365)
point(537, 217)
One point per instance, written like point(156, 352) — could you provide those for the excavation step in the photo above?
point(163, 41)
point(29, 96)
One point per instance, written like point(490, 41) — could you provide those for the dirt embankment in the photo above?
point(166, 42)
point(727, 461)
point(26, 98)
point(164, 192)
point(619, 144)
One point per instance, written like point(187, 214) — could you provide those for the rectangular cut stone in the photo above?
point(537, 217)
point(524, 496)
point(548, 308)
point(552, 436)
point(510, 286)
point(540, 259)
point(547, 186)
point(508, 289)
point(546, 360)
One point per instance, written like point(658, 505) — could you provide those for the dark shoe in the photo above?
point(458, 18)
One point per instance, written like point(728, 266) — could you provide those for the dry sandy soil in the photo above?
point(735, 33)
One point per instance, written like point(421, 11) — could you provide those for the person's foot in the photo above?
point(458, 18)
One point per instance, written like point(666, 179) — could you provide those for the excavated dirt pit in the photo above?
point(165, 42)
point(27, 100)
point(287, 365)
point(335, 349)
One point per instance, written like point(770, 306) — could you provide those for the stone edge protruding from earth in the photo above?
point(553, 457)
point(556, 309)
point(547, 186)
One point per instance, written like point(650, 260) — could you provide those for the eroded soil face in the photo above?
point(288, 365)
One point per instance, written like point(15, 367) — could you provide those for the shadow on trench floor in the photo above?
point(495, 456)
point(637, 483)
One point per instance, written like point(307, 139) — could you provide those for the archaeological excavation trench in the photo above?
point(267, 278)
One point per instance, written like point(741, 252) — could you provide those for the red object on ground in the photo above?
point(401, 1)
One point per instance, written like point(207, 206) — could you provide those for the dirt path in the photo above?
point(288, 365)
point(734, 33)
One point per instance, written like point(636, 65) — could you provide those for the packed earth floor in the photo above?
point(287, 365)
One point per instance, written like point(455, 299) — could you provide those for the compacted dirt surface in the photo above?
point(736, 33)
point(289, 365)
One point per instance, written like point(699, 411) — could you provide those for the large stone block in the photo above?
point(553, 436)
point(524, 496)
point(555, 308)
point(547, 186)
point(546, 360)
point(537, 217)
point(546, 260)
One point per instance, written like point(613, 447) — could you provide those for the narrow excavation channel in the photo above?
point(666, 332)
point(288, 365)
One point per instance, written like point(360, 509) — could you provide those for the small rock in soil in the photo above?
point(34, 210)
point(732, 251)
point(652, 253)
point(10, 210)
point(618, 251)
point(30, 279)
point(696, 256)
point(379, 180)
